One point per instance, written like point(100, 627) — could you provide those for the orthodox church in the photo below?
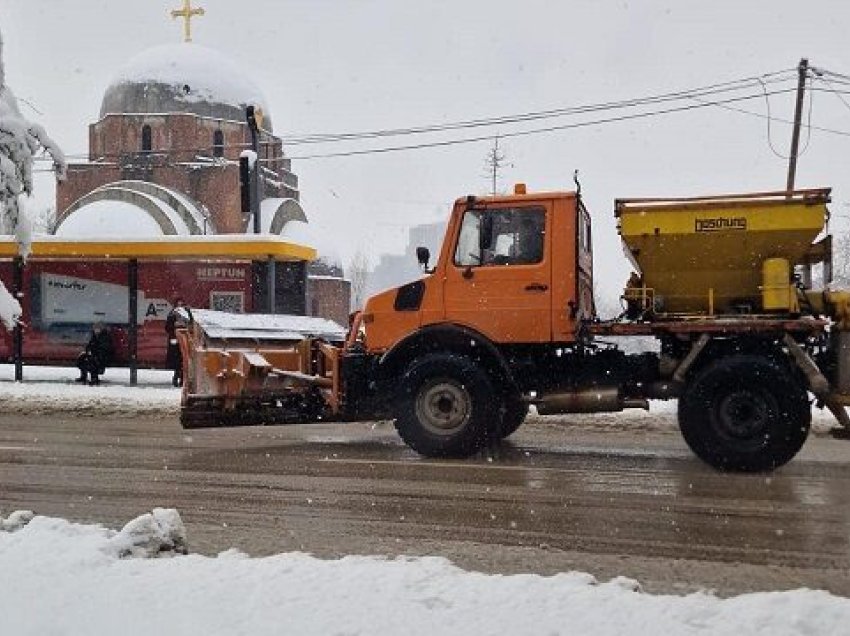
point(163, 159)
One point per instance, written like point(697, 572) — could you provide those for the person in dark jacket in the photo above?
point(92, 362)
point(173, 358)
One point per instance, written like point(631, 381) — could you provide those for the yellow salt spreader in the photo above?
point(744, 259)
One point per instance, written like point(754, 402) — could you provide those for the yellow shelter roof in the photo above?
point(236, 246)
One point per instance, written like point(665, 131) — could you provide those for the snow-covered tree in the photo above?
point(20, 142)
point(841, 260)
point(494, 164)
point(358, 274)
point(43, 218)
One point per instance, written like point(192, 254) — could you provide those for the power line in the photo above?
point(736, 85)
point(697, 94)
point(711, 89)
point(781, 120)
point(825, 71)
point(835, 92)
point(770, 118)
point(535, 131)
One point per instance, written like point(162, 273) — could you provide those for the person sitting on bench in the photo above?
point(92, 362)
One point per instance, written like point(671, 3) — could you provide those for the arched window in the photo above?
point(218, 143)
point(146, 139)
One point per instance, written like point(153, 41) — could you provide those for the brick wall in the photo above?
point(181, 146)
point(329, 298)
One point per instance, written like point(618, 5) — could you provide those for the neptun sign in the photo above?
point(219, 273)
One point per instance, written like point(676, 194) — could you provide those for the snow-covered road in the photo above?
point(57, 577)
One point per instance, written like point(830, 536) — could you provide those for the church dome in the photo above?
point(183, 78)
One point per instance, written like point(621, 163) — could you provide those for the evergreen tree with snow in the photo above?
point(20, 141)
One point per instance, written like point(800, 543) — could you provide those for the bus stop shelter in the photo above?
point(62, 279)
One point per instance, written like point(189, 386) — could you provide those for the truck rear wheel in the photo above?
point(745, 413)
point(445, 405)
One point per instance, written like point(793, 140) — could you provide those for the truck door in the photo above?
point(584, 258)
point(498, 280)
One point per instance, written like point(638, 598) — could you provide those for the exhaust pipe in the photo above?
point(600, 400)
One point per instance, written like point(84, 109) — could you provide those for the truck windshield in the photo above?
point(510, 236)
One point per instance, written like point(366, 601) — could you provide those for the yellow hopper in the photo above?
point(721, 254)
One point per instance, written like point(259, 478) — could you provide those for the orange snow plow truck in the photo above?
point(505, 320)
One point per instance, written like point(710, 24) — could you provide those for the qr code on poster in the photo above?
point(233, 302)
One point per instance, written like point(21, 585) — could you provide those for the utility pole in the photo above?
point(802, 71)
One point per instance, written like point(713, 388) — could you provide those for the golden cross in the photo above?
point(187, 13)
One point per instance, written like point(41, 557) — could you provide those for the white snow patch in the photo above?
point(251, 156)
point(16, 520)
point(154, 534)
point(72, 574)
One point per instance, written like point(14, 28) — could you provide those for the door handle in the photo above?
point(536, 287)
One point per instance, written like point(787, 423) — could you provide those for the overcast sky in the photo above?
point(334, 66)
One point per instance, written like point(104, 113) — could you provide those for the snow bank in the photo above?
point(53, 390)
point(61, 577)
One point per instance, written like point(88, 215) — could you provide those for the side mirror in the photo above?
point(423, 255)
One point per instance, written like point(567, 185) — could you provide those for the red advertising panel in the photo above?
point(64, 298)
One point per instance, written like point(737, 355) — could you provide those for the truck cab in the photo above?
point(513, 269)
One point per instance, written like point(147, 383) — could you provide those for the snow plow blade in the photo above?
point(254, 369)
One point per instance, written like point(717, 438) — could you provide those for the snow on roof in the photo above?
point(211, 76)
point(327, 277)
point(194, 238)
point(237, 246)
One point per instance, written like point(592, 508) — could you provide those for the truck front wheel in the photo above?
point(745, 413)
point(445, 405)
point(515, 412)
